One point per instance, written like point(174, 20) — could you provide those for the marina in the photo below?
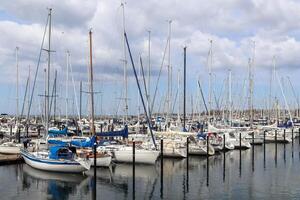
point(267, 175)
point(103, 100)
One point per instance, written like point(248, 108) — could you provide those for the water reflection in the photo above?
point(56, 185)
point(216, 177)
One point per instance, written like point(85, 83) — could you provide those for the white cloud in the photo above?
point(272, 24)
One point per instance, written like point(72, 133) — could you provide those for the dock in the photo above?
point(10, 159)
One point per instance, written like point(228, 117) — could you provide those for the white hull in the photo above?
point(102, 161)
point(9, 150)
point(201, 150)
point(141, 156)
point(52, 165)
point(174, 152)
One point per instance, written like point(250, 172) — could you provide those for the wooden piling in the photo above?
point(161, 168)
point(133, 170)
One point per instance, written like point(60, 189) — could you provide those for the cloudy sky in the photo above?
point(232, 25)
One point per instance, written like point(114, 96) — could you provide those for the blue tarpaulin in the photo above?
point(58, 132)
point(122, 133)
point(58, 152)
point(84, 143)
point(57, 142)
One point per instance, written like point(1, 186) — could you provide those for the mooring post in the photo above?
point(264, 149)
point(187, 148)
point(207, 145)
point(293, 144)
point(240, 141)
point(161, 167)
point(224, 163)
point(187, 163)
point(207, 170)
point(224, 143)
point(240, 167)
point(264, 137)
point(275, 148)
point(133, 170)
point(253, 151)
point(95, 172)
point(292, 136)
point(299, 135)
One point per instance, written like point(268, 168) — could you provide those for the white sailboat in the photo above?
point(124, 153)
point(58, 159)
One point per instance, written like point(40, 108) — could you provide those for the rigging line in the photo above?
point(37, 68)
point(202, 96)
point(25, 97)
point(139, 87)
point(74, 88)
point(53, 90)
point(158, 78)
point(144, 80)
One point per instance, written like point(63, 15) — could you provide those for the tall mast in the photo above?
point(230, 97)
point(169, 94)
point(80, 101)
point(184, 87)
point(178, 89)
point(93, 131)
point(250, 93)
point(47, 106)
point(17, 87)
point(270, 94)
point(125, 66)
point(209, 80)
point(54, 106)
point(29, 78)
point(67, 83)
point(149, 72)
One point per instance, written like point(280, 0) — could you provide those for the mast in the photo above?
point(80, 101)
point(93, 131)
point(270, 95)
point(250, 93)
point(230, 97)
point(54, 106)
point(209, 81)
point(169, 94)
point(47, 106)
point(67, 82)
point(184, 86)
point(17, 88)
point(29, 78)
point(149, 72)
point(125, 67)
point(178, 89)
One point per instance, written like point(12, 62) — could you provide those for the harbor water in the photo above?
point(260, 173)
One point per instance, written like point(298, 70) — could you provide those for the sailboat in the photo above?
point(57, 158)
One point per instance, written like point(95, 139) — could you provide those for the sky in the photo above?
point(266, 31)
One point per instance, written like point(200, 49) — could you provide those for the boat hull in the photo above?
point(52, 165)
point(102, 161)
point(9, 150)
point(141, 156)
